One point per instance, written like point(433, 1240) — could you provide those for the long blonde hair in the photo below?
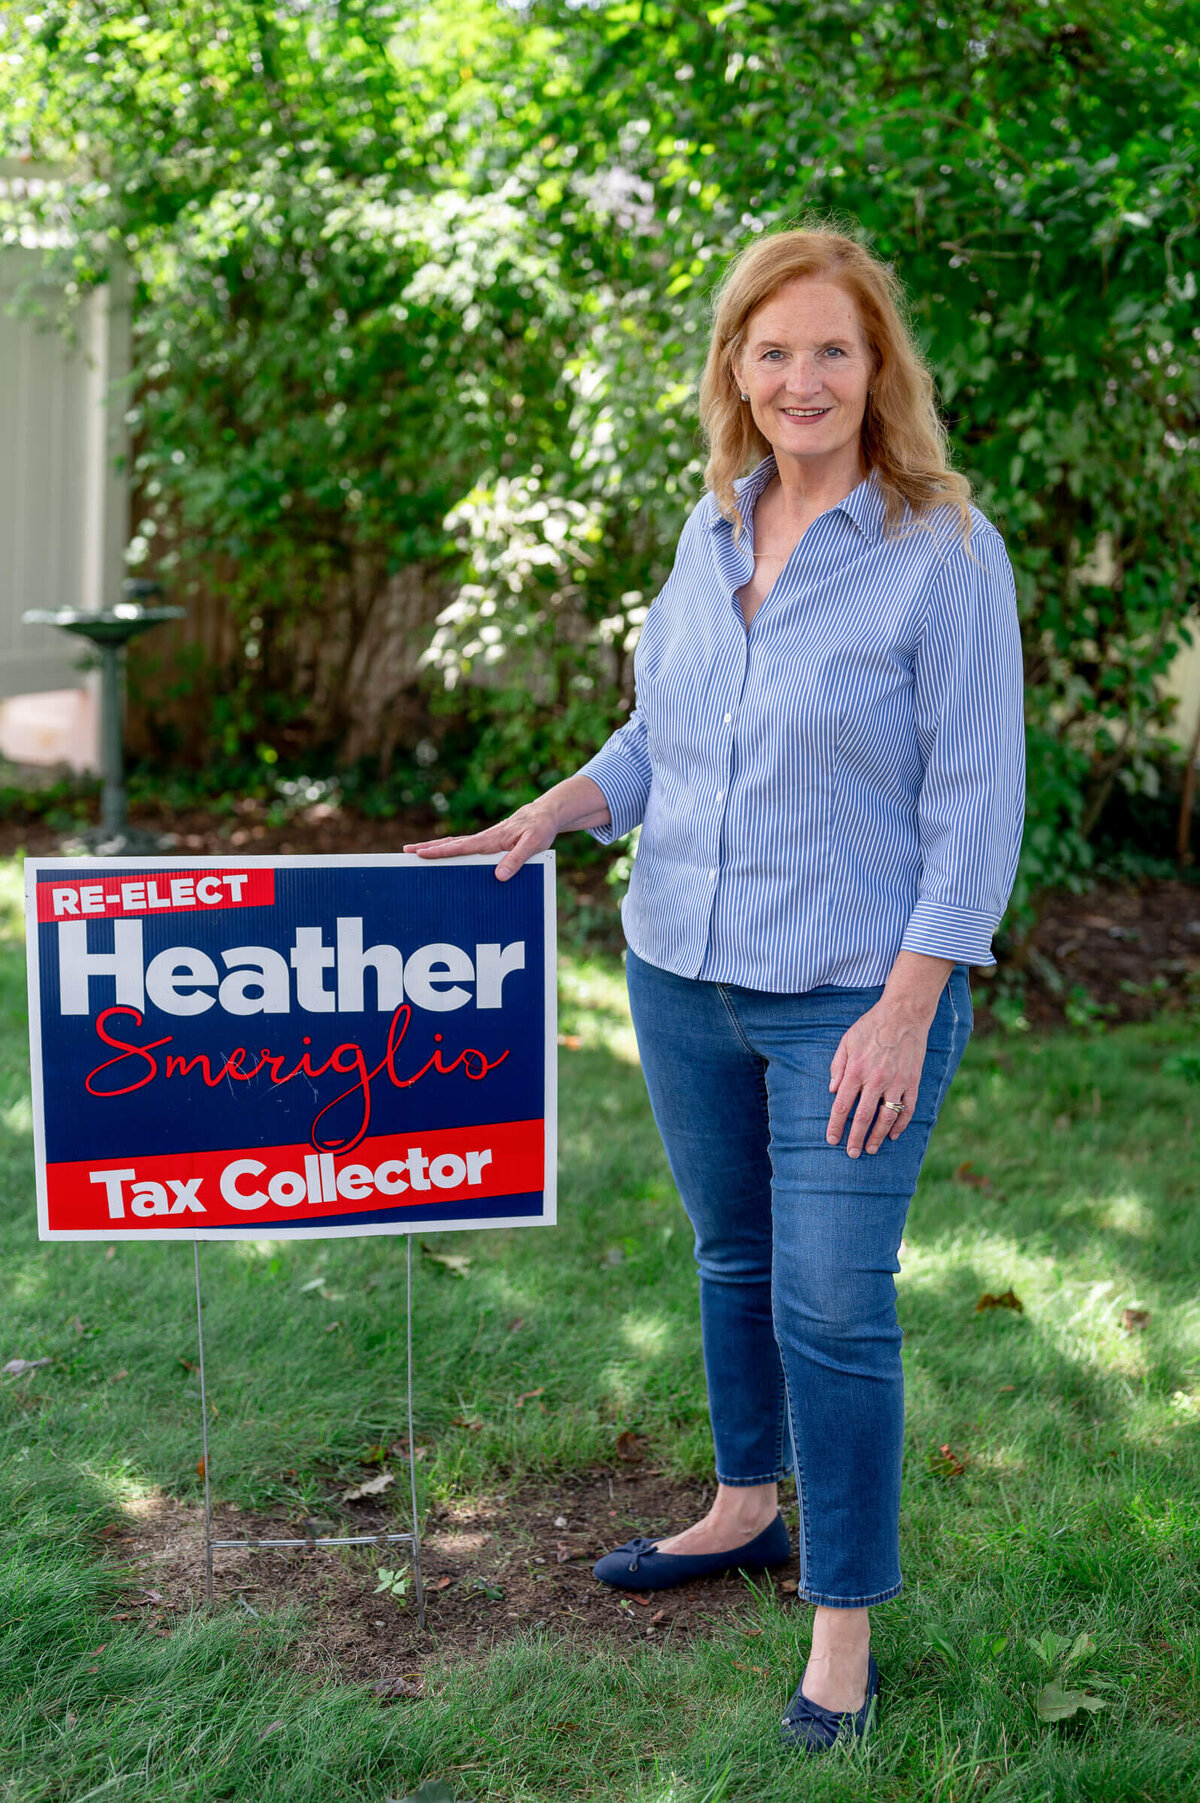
point(903, 439)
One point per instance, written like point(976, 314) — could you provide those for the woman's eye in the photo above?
point(834, 350)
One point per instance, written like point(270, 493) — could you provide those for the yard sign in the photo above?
point(291, 1047)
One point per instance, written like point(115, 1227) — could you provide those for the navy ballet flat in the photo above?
point(808, 1725)
point(638, 1565)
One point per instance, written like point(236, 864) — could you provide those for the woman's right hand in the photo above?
point(532, 828)
point(576, 802)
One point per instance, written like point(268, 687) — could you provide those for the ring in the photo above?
point(898, 1106)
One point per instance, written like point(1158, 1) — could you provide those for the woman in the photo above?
point(827, 760)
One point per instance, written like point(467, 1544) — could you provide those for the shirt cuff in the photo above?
point(942, 930)
point(623, 789)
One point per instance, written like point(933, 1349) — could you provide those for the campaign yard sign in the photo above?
point(290, 1047)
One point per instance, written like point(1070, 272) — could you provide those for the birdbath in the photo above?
point(110, 629)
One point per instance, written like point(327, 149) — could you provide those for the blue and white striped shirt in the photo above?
point(840, 783)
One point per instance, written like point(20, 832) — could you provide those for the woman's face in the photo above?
point(806, 366)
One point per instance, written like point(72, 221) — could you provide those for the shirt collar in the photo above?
point(864, 505)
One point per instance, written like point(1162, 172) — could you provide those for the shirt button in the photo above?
point(712, 876)
point(720, 794)
point(728, 719)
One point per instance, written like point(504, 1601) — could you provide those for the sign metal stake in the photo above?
point(382, 1540)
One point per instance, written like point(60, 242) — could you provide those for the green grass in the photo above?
point(1078, 1509)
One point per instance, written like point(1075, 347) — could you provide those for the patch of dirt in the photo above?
point(318, 829)
point(491, 1569)
point(1132, 950)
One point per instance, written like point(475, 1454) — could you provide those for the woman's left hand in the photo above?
point(879, 1059)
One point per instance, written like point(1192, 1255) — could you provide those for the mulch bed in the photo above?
point(518, 1559)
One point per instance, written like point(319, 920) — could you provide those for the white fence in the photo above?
point(64, 494)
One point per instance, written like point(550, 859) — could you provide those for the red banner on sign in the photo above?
point(165, 892)
point(286, 1184)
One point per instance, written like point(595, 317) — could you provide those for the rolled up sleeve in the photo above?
point(969, 701)
point(621, 770)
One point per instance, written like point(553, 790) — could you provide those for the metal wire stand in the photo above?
point(382, 1540)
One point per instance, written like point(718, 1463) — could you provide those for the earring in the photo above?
point(745, 397)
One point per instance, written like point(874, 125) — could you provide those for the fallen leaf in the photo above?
point(442, 1583)
point(334, 1327)
point(188, 1364)
point(457, 1263)
point(1006, 1299)
point(1006, 1388)
point(123, 1615)
point(1133, 1320)
point(572, 1041)
point(528, 1395)
point(966, 1173)
point(97, 1650)
point(517, 1325)
point(1055, 1704)
point(629, 1447)
point(18, 1367)
point(562, 1553)
point(945, 1463)
point(398, 1687)
point(643, 1602)
point(271, 1728)
point(790, 1586)
point(120, 1376)
point(111, 1253)
point(565, 1727)
point(474, 1426)
point(401, 1447)
point(659, 1615)
point(93, 1668)
point(149, 1597)
point(760, 1671)
point(201, 1466)
point(374, 1486)
point(752, 1633)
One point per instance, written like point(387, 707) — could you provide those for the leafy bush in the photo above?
point(421, 304)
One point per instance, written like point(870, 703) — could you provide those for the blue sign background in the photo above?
point(407, 907)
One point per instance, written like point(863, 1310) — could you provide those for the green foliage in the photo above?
point(422, 295)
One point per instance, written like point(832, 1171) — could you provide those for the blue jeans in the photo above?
point(796, 1243)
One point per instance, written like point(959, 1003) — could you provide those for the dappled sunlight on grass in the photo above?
point(18, 1117)
point(594, 1010)
point(12, 900)
point(647, 1335)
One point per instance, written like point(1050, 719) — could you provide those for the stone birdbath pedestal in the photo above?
point(110, 629)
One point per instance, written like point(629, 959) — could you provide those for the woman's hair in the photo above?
point(903, 440)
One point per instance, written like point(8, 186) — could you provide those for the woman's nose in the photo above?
point(804, 377)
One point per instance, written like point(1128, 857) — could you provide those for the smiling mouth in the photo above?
point(806, 412)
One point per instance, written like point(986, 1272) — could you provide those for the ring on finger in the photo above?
point(897, 1107)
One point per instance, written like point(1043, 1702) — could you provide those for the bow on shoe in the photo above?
point(638, 1546)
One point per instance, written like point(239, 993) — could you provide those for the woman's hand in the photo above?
point(880, 1058)
point(532, 828)
point(576, 802)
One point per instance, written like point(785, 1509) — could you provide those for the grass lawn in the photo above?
point(1076, 1510)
